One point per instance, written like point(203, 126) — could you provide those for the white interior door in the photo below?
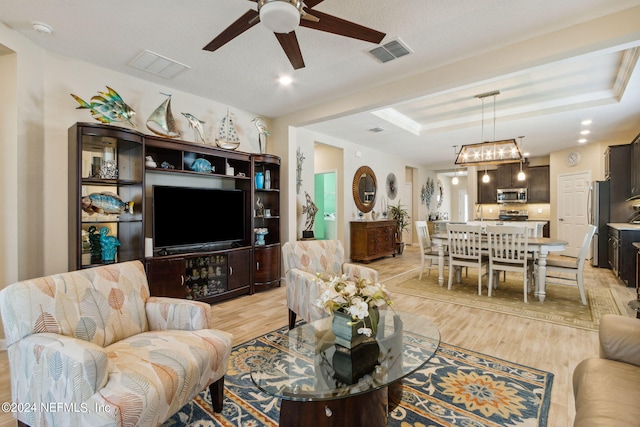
point(463, 207)
point(573, 195)
point(407, 201)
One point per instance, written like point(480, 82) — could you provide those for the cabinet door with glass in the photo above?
point(106, 195)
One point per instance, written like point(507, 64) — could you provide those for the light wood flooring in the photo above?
point(546, 346)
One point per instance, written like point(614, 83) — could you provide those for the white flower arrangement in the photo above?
point(355, 297)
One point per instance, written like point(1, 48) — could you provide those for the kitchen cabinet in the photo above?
point(622, 254)
point(487, 191)
point(635, 167)
point(507, 175)
point(538, 184)
point(618, 173)
point(372, 239)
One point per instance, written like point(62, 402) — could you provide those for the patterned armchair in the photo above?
point(92, 348)
point(303, 260)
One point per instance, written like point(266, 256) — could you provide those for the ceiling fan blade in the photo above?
point(312, 3)
point(334, 25)
point(289, 43)
point(241, 25)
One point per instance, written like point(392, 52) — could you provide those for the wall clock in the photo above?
point(572, 159)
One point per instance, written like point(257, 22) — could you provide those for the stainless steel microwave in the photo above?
point(512, 195)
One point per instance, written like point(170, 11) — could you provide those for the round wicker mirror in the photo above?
point(364, 189)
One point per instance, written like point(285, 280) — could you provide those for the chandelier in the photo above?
point(489, 152)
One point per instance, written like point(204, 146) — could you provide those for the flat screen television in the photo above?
point(188, 218)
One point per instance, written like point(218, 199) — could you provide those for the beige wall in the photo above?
point(34, 161)
point(354, 156)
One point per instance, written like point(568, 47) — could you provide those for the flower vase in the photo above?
point(259, 180)
point(267, 180)
point(345, 328)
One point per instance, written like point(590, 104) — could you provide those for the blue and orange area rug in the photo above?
point(457, 387)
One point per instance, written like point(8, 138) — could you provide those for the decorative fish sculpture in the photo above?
point(105, 203)
point(107, 107)
point(196, 125)
point(201, 165)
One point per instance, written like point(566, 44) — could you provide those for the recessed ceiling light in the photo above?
point(42, 28)
point(586, 122)
point(585, 132)
point(285, 80)
point(526, 154)
point(582, 140)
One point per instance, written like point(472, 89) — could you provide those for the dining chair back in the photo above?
point(508, 251)
point(568, 270)
point(465, 250)
point(428, 252)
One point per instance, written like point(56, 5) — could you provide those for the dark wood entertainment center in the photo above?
point(224, 271)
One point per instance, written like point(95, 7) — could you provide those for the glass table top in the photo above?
point(305, 364)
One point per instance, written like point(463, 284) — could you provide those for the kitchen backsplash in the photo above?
point(536, 211)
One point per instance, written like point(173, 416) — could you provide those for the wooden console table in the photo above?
point(372, 239)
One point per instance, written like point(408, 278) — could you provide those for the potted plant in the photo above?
point(401, 216)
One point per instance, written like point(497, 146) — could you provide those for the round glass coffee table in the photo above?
point(321, 383)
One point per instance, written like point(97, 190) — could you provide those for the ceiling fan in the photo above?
point(283, 17)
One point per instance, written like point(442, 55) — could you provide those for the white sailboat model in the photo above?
point(227, 135)
point(161, 121)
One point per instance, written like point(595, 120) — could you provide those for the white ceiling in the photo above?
point(545, 102)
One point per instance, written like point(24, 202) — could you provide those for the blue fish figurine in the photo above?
point(105, 203)
point(107, 107)
point(201, 165)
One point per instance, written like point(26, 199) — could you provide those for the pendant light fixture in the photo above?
point(489, 152)
point(521, 175)
point(454, 180)
point(485, 177)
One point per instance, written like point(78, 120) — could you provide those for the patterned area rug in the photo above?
point(456, 387)
point(562, 303)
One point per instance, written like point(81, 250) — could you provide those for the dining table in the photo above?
point(540, 246)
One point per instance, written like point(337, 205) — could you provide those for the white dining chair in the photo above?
point(566, 270)
point(428, 252)
point(465, 250)
point(508, 251)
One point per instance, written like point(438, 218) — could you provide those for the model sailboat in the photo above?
point(161, 121)
point(227, 135)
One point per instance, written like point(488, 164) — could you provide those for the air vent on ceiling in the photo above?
point(376, 129)
point(390, 51)
point(157, 64)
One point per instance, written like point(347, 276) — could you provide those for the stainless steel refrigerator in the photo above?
point(599, 212)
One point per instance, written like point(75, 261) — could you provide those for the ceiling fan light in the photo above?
point(280, 17)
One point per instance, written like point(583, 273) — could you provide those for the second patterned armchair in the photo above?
point(303, 260)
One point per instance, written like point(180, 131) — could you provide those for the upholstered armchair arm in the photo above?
point(302, 294)
point(355, 270)
point(620, 339)
point(175, 313)
point(56, 367)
